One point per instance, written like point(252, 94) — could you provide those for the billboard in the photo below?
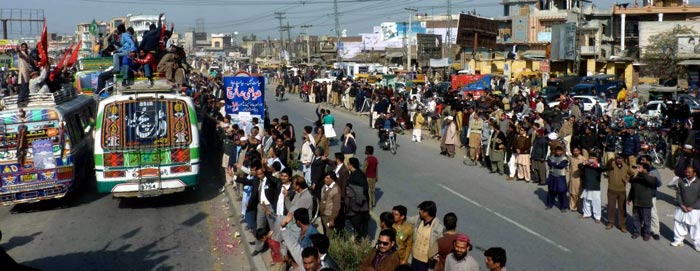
point(648, 29)
point(563, 42)
point(392, 31)
point(520, 29)
point(245, 97)
point(689, 46)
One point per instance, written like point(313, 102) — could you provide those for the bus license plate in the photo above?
point(149, 186)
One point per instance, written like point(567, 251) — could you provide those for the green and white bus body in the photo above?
point(146, 144)
point(45, 146)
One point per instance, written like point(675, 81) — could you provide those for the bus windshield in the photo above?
point(146, 123)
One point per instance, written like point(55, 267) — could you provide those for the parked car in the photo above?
point(654, 109)
point(588, 102)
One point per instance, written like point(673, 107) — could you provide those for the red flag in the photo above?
point(43, 46)
point(59, 66)
point(74, 57)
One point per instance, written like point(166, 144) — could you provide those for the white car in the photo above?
point(588, 102)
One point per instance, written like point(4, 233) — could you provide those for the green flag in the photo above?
point(93, 28)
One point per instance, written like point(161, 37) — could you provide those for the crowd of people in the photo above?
point(565, 148)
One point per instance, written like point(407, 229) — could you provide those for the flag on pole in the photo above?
point(74, 56)
point(93, 27)
point(43, 46)
point(59, 66)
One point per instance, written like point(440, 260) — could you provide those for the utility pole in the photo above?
point(338, 43)
point(308, 42)
point(411, 12)
point(449, 33)
point(289, 35)
point(577, 42)
point(279, 16)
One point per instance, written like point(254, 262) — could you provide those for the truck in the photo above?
point(598, 85)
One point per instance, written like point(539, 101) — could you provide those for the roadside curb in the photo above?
point(255, 262)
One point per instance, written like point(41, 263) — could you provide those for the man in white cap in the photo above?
point(686, 159)
point(449, 138)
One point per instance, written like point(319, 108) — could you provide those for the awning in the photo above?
point(691, 62)
point(533, 54)
point(394, 55)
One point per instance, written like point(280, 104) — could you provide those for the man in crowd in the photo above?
point(322, 243)
point(655, 227)
point(558, 163)
point(618, 176)
point(688, 210)
point(371, 167)
point(459, 258)
point(495, 259)
point(384, 256)
point(475, 126)
point(404, 233)
point(357, 199)
point(446, 242)
point(427, 229)
point(330, 202)
point(640, 195)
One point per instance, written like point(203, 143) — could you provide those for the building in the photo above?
point(117, 21)
point(82, 32)
point(221, 40)
point(141, 23)
point(628, 20)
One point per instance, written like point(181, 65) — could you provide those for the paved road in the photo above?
point(90, 231)
point(495, 212)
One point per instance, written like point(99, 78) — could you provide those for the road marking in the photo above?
point(511, 221)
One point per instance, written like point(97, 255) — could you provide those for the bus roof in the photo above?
point(143, 86)
point(64, 100)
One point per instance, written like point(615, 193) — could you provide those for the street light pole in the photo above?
point(411, 11)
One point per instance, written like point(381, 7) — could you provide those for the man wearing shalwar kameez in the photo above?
point(556, 182)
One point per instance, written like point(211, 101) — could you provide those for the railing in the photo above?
point(588, 50)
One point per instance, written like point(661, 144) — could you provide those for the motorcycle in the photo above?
point(655, 146)
point(279, 93)
point(389, 142)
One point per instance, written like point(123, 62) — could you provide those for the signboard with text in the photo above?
point(245, 95)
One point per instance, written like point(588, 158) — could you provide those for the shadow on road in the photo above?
point(143, 258)
point(19, 241)
point(84, 195)
point(542, 195)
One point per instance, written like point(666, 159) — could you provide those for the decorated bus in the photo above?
point(146, 141)
point(45, 146)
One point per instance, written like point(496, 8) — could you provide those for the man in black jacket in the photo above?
point(641, 194)
point(538, 157)
point(151, 38)
point(264, 196)
point(591, 171)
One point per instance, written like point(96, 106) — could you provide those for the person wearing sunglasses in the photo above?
point(384, 256)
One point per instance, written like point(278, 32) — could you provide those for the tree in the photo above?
point(659, 56)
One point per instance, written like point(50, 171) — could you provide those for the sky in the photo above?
point(254, 16)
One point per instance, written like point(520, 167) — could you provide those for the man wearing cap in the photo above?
point(459, 258)
point(450, 137)
point(618, 176)
point(685, 159)
point(475, 126)
point(556, 181)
